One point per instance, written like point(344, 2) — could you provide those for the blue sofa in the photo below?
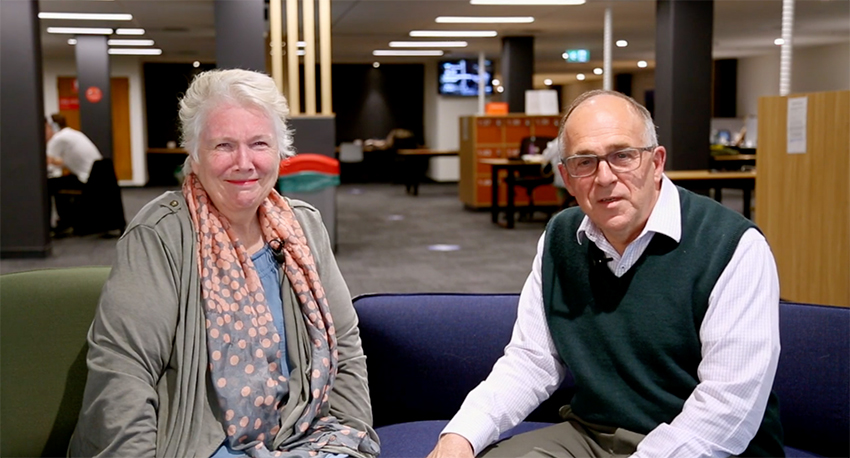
point(427, 351)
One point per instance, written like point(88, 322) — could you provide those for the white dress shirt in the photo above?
point(77, 152)
point(739, 344)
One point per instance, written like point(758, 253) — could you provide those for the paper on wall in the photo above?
point(797, 114)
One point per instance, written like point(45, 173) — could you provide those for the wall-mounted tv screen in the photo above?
point(460, 77)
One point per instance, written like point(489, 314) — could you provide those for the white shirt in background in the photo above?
point(77, 152)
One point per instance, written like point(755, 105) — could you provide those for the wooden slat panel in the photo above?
point(803, 200)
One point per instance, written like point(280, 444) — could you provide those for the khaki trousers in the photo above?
point(572, 438)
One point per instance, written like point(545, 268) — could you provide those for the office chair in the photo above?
point(532, 178)
point(97, 207)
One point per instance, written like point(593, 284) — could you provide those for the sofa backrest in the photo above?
point(425, 352)
point(44, 318)
point(813, 377)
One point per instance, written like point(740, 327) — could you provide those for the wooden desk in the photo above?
point(166, 151)
point(415, 165)
point(511, 166)
point(706, 179)
point(734, 157)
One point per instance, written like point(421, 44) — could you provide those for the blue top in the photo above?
point(269, 272)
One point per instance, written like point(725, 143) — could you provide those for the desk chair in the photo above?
point(532, 179)
point(96, 207)
point(351, 161)
point(43, 324)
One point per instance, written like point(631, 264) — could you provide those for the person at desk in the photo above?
point(663, 304)
point(225, 328)
point(67, 150)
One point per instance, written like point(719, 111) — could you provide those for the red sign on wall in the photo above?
point(94, 94)
point(69, 103)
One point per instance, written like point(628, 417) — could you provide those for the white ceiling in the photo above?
point(185, 29)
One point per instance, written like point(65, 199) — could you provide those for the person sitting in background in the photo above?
point(225, 328)
point(67, 150)
point(552, 158)
point(663, 304)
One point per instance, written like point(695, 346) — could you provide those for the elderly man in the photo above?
point(663, 304)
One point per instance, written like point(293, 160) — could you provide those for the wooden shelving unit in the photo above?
point(485, 137)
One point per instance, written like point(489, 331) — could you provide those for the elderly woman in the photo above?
point(225, 328)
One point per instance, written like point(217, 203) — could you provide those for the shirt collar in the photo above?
point(665, 218)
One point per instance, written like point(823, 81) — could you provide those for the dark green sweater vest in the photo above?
point(632, 343)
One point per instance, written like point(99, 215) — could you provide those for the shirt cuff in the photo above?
point(476, 427)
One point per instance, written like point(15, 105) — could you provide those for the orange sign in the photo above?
point(69, 103)
point(496, 108)
point(94, 94)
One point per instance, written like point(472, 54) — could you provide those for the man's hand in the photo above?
point(452, 446)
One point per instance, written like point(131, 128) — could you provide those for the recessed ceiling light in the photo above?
point(119, 42)
point(622, 43)
point(408, 53)
point(196, 64)
point(527, 2)
point(779, 42)
point(453, 33)
point(428, 44)
point(547, 82)
point(134, 51)
point(580, 77)
point(87, 16)
point(597, 71)
point(72, 41)
point(500, 89)
point(496, 82)
point(376, 64)
point(80, 30)
point(484, 20)
point(642, 64)
point(129, 31)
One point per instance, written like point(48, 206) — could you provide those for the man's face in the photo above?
point(619, 203)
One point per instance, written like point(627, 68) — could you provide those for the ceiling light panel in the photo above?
point(129, 31)
point(485, 20)
point(453, 33)
point(527, 2)
point(80, 30)
point(428, 44)
point(408, 53)
point(134, 52)
point(119, 42)
point(87, 16)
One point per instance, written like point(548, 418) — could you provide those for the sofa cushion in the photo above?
point(418, 438)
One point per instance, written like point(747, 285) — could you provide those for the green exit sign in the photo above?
point(576, 55)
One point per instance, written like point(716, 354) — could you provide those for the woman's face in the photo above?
point(238, 159)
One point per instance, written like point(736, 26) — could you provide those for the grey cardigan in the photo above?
point(148, 392)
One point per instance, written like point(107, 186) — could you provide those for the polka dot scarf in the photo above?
point(243, 341)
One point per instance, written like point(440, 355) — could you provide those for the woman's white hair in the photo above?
point(245, 88)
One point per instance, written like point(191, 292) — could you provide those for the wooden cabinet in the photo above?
point(803, 200)
point(484, 137)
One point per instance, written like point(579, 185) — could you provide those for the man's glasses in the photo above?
point(585, 165)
